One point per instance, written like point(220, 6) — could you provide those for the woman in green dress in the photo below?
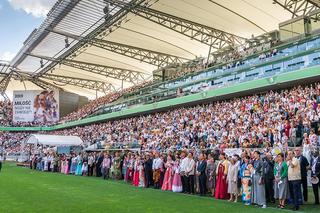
point(281, 180)
point(117, 166)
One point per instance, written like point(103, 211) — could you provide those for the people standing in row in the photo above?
point(197, 173)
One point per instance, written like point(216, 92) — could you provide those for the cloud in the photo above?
point(37, 8)
point(7, 56)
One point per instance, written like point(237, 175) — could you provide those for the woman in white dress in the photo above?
point(45, 160)
point(232, 179)
point(307, 147)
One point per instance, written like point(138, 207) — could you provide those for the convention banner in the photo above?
point(35, 106)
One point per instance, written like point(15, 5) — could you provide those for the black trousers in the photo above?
point(304, 182)
point(315, 188)
point(202, 184)
point(98, 170)
point(0, 166)
point(148, 174)
point(295, 191)
point(49, 166)
point(161, 179)
point(269, 190)
point(191, 184)
point(185, 184)
point(55, 168)
point(90, 170)
point(105, 173)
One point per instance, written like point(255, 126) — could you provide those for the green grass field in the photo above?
point(23, 190)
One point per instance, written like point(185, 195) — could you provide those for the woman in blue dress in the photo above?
point(73, 166)
point(79, 165)
point(246, 180)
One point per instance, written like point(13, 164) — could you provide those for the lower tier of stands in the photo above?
point(283, 115)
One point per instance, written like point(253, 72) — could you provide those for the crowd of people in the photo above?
point(253, 177)
point(185, 149)
point(230, 59)
point(275, 119)
point(5, 113)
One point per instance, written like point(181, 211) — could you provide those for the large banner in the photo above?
point(35, 106)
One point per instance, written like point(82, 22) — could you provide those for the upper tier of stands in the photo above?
point(284, 58)
point(268, 59)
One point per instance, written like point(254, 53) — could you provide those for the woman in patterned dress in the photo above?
point(246, 180)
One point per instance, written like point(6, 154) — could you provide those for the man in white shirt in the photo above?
point(294, 177)
point(190, 172)
point(157, 165)
point(183, 169)
point(90, 164)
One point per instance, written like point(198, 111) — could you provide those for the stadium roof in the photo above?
point(96, 46)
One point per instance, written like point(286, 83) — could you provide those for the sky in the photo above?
point(18, 18)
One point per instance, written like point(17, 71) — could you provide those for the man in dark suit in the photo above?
point(148, 170)
point(98, 165)
point(269, 177)
point(201, 173)
point(315, 172)
point(304, 166)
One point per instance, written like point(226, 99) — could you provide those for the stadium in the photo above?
point(160, 106)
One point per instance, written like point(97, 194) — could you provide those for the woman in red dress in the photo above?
point(135, 180)
point(222, 171)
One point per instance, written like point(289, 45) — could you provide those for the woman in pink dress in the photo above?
point(66, 167)
point(136, 164)
point(176, 183)
point(63, 164)
point(167, 180)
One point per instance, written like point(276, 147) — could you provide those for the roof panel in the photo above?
point(241, 17)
